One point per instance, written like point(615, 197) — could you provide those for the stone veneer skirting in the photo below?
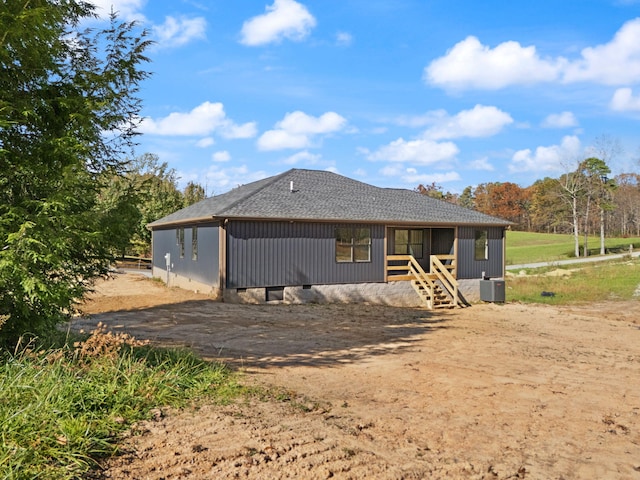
point(399, 294)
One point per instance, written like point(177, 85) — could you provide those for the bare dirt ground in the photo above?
point(488, 392)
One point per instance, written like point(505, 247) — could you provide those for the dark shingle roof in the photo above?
point(324, 196)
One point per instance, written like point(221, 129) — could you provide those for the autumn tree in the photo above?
point(503, 199)
point(68, 112)
point(547, 210)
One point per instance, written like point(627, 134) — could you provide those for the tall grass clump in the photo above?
point(592, 283)
point(64, 409)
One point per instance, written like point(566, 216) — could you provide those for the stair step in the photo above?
point(433, 298)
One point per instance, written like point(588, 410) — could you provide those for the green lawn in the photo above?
point(593, 282)
point(525, 247)
point(607, 280)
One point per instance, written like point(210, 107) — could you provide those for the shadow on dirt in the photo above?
point(276, 335)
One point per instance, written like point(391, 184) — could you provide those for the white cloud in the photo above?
point(297, 130)
point(392, 170)
point(546, 159)
point(176, 32)
point(344, 39)
point(224, 179)
point(481, 164)
point(300, 122)
point(304, 157)
point(126, 9)
point(221, 156)
point(472, 65)
point(469, 64)
point(203, 120)
point(417, 121)
point(205, 142)
point(281, 139)
point(481, 121)
point(246, 130)
point(284, 19)
point(410, 175)
point(560, 120)
point(613, 63)
point(624, 101)
point(419, 152)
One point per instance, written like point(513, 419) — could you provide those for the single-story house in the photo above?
point(316, 236)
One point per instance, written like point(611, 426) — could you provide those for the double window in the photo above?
point(408, 242)
point(353, 244)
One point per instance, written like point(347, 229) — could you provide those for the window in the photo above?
point(180, 236)
point(408, 242)
point(194, 243)
point(353, 244)
point(481, 245)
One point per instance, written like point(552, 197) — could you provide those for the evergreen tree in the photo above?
point(68, 109)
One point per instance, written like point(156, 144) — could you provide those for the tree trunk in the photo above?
point(576, 233)
point(602, 231)
point(585, 251)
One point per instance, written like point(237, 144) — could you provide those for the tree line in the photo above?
point(583, 201)
point(146, 190)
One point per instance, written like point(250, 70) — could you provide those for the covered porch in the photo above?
point(438, 288)
point(426, 257)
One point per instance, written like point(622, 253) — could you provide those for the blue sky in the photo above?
point(393, 93)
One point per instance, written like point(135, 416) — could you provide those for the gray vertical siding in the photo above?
point(272, 254)
point(266, 254)
point(442, 240)
point(205, 269)
point(468, 266)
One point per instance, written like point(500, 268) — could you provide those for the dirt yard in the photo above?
point(488, 392)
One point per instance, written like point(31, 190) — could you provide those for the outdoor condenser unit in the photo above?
point(492, 290)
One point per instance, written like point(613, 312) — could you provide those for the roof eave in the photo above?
point(188, 221)
point(364, 221)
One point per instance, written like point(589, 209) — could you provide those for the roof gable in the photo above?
point(316, 195)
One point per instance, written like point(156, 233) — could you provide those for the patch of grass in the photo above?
point(527, 247)
point(594, 282)
point(63, 409)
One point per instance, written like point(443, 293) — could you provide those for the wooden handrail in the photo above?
point(412, 270)
point(445, 277)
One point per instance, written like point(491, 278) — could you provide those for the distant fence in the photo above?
point(139, 263)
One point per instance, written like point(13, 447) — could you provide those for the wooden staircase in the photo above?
point(437, 289)
point(434, 297)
